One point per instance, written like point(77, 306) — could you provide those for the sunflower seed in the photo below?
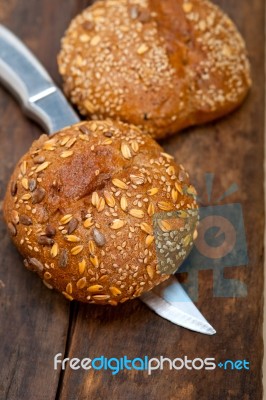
point(25, 220)
point(36, 263)
point(14, 188)
point(72, 226)
point(50, 231)
point(38, 195)
point(63, 259)
point(83, 129)
point(108, 134)
point(45, 241)
point(32, 184)
point(39, 160)
point(12, 229)
point(98, 237)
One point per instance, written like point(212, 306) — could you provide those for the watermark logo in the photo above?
point(221, 243)
point(150, 365)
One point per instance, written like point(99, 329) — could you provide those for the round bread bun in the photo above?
point(160, 65)
point(80, 207)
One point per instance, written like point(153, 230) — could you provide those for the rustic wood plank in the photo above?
point(232, 149)
point(34, 321)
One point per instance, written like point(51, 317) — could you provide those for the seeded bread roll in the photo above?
point(160, 65)
point(80, 209)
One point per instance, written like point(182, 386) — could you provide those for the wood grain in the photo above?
point(34, 322)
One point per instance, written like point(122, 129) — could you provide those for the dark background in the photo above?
point(35, 323)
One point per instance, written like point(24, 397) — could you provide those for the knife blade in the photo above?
point(44, 102)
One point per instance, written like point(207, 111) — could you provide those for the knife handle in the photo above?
point(30, 83)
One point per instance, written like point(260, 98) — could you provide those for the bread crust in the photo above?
point(80, 205)
point(160, 65)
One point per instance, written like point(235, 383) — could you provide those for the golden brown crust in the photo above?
point(79, 207)
point(161, 65)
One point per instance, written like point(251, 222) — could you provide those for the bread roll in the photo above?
point(80, 207)
point(160, 65)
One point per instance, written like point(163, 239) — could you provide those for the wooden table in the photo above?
point(36, 324)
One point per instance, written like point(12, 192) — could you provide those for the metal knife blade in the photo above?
point(41, 100)
point(30, 83)
point(170, 301)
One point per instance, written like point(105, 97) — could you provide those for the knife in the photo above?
point(44, 102)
